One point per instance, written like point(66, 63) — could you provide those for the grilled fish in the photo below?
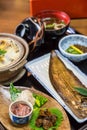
point(64, 81)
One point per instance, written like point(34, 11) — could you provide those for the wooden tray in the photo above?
point(4, 116)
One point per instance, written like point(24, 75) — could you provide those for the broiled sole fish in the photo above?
point(64, 82)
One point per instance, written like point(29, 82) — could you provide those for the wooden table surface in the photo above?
point(12, 12)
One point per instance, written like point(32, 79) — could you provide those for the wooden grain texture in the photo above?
point(12, 12)
point(4, 116)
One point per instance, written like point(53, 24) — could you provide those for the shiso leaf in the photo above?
point(82, 91)
point(35, 115)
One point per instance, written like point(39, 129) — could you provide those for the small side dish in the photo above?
point(46, 119)
point(74, 47)
point(20, 112)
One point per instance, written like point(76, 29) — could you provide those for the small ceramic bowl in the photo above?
point(59, 20)
point(20, 112)
point(70, 40)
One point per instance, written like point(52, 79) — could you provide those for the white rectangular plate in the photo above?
point(40, 70)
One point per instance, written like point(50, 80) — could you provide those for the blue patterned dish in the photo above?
point(72, 39)
point(20, 119)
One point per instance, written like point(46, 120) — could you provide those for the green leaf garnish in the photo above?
point(14, 92)
point(50, 26)
point(82, 91)
point(39, 100)
point(73, 50)
point(2, 52)
point(35, 115)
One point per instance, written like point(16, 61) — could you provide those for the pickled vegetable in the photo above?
point(73, 50)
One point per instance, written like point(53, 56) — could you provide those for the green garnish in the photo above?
point(73, 50)
point(82, 91)
point(14, 92)
point(54, 111)
point(50, 26)
point(2, 52)
point(39, 100)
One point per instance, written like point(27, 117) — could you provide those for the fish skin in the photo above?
point(64, 81)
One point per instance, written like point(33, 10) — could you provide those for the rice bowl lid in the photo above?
point(15, 48)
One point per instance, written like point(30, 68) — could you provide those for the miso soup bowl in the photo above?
point(73, 39)
point(55, 14)
point(20, 119)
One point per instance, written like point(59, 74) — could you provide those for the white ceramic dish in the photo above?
point(39, 69)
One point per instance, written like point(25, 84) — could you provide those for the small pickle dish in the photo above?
point(13, 54)
point(74, 47)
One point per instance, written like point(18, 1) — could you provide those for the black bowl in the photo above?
point(31, 30)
